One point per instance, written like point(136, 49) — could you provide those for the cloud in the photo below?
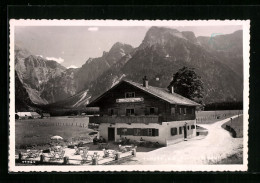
point(93, 29)
point(59, 60)
point(72, 66)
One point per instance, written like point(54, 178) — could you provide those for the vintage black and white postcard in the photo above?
point(110, 95)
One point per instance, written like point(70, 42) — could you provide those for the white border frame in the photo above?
point(161, 168)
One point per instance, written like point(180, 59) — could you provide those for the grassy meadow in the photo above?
point(207, 117)
point(37, 132)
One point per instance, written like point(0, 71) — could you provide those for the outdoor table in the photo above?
point(109, 153)
point(128, 148)
point(80, 149)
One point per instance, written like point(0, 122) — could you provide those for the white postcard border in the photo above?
point(161, 168)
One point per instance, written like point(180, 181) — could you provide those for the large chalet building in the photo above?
point(135, 110)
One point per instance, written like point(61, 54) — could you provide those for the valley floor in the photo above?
point(212, 149)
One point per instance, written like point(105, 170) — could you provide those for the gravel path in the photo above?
point(217, 145)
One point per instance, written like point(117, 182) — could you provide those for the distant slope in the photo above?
point(22, 99)
point(79, 100)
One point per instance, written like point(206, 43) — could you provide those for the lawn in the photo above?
point(37, 132)
point(237, 125)
point(208, 117)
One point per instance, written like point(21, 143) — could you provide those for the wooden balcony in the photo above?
point(124, 119)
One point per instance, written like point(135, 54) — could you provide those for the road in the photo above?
point(217, 145)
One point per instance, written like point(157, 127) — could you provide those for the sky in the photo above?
point(71, 46)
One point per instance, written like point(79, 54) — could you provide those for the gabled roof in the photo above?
point(24, 114)
point(162, 93)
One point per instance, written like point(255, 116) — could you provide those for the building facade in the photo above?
point(135, 110)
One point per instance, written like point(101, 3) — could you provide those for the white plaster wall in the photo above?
point(164, 131)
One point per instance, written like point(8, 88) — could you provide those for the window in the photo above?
point(144, 131)
point(192, 126)
point(125, 131)
point(129, 94)
point(137, 131)
point(130, 112)
point(180, 130)
point(152, 110)
point(111, 112)
point(184, 111)
point(192, 111)
point(180, 110)
point(150, 132)
point(173, 131)
point(188, 127)
point(173, 110)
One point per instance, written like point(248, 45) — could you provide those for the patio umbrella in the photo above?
point(56, 137)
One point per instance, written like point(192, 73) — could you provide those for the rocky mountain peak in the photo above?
point(117, 51)
point(164, 35)
point(189, 35)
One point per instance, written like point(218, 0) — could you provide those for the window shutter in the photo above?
point(155, 132)
point(115, 111)
point(119, 131)
point(130, 131)
point(147, 111)
point(156, 110)
point(144, 132)
point(180, 130)
point(173, 110)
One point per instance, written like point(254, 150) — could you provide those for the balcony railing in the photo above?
point(124, 119)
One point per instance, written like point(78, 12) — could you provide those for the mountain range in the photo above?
point(217, 59)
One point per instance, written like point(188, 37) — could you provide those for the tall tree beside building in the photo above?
point(188, 84)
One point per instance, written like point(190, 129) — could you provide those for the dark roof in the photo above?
point(162, 93)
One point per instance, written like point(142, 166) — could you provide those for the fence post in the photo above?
point(117, 156)
point(134, 152)
point(42, 158)
point(20, 157)
point(66, 160)
point(94, 161)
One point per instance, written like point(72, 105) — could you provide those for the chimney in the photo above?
point(145, 82)
point(172, 89)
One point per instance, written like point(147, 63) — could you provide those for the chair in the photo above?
point(60, 155)
point(122, 148)
point(52, 155)
point(77, 151)
point(95, 155)
point(84, 156)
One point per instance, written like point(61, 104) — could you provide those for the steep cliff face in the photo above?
point(94, 67)
point(44, 80)
point(22, 99)
point(47, 81)
point(227, 48)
